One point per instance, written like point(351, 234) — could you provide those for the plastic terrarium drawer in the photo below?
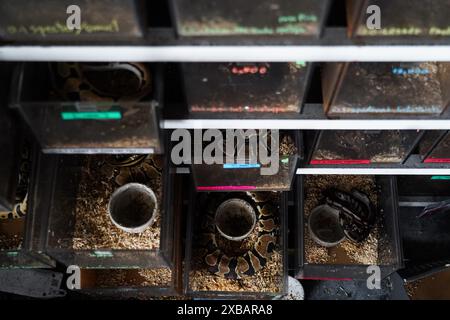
point(22, 232)
point(10, 143)
point(441, 151)
point(245, 88)
point(363, 147)
point(80, 231)
point(280, 18)
point(245, 174)
point(400, 19)
point(68, 112)
point(425, 237)
point(385, 89)
point(349, 260)
point(267, 271)
point(46, 20)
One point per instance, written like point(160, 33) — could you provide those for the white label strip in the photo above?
point(373, 171)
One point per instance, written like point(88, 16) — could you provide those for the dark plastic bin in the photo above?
point(280, 18)
point(400, 19)
point(389, 251)
point(46, 21)
point(89, 126)
point(194, 242)
point(248, 176)
point(245, 88)
point(426, 240)
point(74, 238)
point(348, 147)
point(22, 240)
point(385, 90)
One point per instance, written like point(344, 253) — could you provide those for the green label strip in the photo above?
point(97, 115)
point(102, 254)
point(440, 178)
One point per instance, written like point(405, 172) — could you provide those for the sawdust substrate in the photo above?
point(365, 253)
point(93, 227)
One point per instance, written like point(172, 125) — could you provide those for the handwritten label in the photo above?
point(298, 24)
point(61, 28)
point(407, 31)
point(409, 71)
point(388, 109)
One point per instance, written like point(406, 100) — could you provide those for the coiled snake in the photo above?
point(357, 214)
point(20, 208)
point(144, 169)
point(102, 82)
point(222, 257)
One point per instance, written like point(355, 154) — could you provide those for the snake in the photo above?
point(101, 82)
point(135, 168)
point(19, 209)
point(251, 260)
point(356, 213)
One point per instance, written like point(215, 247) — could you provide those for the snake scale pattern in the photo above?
point(144, 169)
point(102, 82)
point(20, 208)
point(250, 261)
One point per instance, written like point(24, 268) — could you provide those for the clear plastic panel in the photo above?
point(251, 171)
point(266, 274)
point(128, 283)
point(414, 18)
point(386, 89)
point(91, 126)
point(45, 20)
point(363, 147)
point(349, 260)
point(245, 88)
point(22, 233)
point(10, 145)
point(245, 177)
point(278, 18)
point(80, 231)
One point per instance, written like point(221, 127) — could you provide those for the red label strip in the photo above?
point(326, 279)
point(226, 188)
point(338, 162)
point(436, 160)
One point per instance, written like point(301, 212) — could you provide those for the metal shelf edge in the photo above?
point(307, 124)
point(225, 53)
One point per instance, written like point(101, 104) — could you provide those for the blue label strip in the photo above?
point(241, 165)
